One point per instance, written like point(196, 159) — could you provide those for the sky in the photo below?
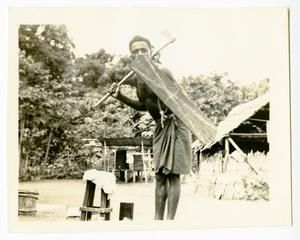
point(249, 44)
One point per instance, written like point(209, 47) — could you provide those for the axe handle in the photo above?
point(108, 94)
point(158, 50)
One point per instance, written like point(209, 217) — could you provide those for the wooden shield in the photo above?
point(174, 97)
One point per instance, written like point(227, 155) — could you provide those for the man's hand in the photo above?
point(114, 90)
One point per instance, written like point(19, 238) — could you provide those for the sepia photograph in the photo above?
point(140, 118)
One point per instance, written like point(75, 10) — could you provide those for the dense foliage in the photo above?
point(57, 91)
point(216, 95)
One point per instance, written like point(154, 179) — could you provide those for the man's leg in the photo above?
point(173, 195)
point(161, 195)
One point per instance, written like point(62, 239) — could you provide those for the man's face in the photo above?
point(139, 48)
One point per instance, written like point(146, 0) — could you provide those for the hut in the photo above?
point(132, 156)
point(245, 129)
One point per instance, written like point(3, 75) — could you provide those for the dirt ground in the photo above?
point(56, 196)
point(194, 210)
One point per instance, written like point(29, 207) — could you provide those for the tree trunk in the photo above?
point(20, 145)
point(25, 164)
point(48, 147)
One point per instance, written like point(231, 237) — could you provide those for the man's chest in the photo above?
point(144, 92)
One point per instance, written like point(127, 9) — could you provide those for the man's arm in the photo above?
point(135, 104)
point(114, 90)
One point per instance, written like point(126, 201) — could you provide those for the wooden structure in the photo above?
point(121, 167)
point(245, 129)
point(88, 208)
point(138, 164)
point(27, 202)
point(126, 210)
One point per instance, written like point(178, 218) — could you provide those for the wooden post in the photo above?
point(242, 153)
point(108, 160)
point(143, 159)
point(115, 161)
point(126, 210)
point(126, 176)
point(88, 200)
point(198, 161)
point(105, 203)
point(149, 164)
point(226, 157)
point(104, 155)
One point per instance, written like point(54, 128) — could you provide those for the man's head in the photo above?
point(139, 46)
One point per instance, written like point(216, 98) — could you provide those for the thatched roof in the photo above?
point(235, 118)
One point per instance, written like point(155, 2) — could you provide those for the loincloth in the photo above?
point(172, 147)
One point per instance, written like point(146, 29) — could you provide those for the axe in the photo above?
point(170, 39)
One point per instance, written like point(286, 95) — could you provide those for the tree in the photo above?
point(56, 92)
point(91, 68)
point(215, 95)
point(48, 45)
point(253, 90)
point(44, 55)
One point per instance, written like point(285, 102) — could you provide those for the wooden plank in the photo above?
point(259, 120)
point(28, 192)
point(96, 210)
point(23, 212)
point(249, 135)
point(173, 96)
point(236, 147)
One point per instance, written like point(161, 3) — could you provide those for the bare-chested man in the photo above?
point(171, 139)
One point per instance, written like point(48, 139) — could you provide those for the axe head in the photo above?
point(168, 36)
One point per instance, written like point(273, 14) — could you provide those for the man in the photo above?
point(171, 140)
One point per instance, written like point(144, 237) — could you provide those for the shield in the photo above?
point(174, 97)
